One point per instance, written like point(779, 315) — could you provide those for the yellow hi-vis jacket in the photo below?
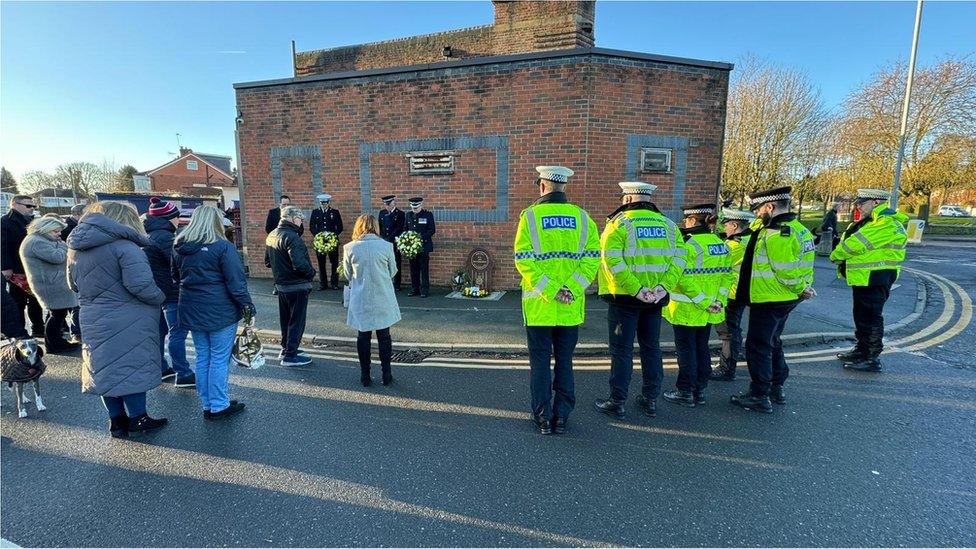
point(705, 280)
point(782, 266)
point(556, 245)
point(872, 244)
point(639, 248)
point(737, 251)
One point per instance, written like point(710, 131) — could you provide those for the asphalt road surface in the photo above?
point(447, 457)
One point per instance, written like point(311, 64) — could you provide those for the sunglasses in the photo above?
point(30, 206)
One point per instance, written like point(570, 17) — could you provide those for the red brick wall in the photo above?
point(177, 178)
point(576, 112)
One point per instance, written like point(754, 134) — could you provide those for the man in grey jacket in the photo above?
point(287, 257)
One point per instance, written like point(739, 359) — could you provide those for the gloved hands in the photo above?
point(565, 296)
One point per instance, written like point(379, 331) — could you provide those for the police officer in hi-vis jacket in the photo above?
point(557, 252)
point(736, 224)
point(641, 261)
point(776, 274)
point(869, 257)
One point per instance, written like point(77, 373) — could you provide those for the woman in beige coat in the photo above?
point(369, 265)
point(45, 258)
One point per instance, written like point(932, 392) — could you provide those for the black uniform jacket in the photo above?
point(392, 224)
point(325, 220)
point(422, 223)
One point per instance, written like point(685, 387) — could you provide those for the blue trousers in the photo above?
point(544, 342)
point(764, 348)
point(213, 354)
point(694, 358)
point(624, 324)
point(117, 406)
point(169, 322)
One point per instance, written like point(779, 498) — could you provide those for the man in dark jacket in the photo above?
point(287, 257)
point(421, 221)
point(392, 224)
point(274, 214)
point(830, 222)
point(13, 231)
point(72, 220)
point(326, 218)
point(160, 225)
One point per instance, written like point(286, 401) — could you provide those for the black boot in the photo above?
point(854, 355)
point(119, 426)
point(145, 424)
point(679, 397)
point(611, 407)
point(699, 397)
point(749, 401)
point(776, 395)
point(387, 375)
point(864, 365)
point(647, 406)
point(364, 377)
point(542, 424)
point(559, 425)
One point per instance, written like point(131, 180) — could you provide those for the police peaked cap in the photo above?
point(636, 187)
point(737, 215)
point(759, 198)
point(872, 194)
point(324, 197)
point(388, 198)
point(416, 201)
point(556, 174)
point(706, 209)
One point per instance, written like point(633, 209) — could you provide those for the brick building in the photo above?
point(193, 174)
point(463, 118)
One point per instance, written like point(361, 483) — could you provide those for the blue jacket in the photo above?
point(213, 288)
point(161, 234)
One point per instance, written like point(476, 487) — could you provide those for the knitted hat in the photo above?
point(161, 208)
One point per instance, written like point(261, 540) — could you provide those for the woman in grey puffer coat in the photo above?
point(119, 313)
point(44, 256)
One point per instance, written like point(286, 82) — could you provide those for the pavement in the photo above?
point(446, 457)
point(440, 323)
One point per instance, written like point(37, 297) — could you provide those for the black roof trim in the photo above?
point(489, 60)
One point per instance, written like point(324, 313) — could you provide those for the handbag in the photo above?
point(20, 281)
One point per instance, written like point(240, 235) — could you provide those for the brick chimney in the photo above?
point(538, 25)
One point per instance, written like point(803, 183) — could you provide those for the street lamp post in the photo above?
point(904, 109)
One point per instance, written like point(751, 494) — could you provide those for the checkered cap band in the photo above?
point(699, 211)
point(873, 194)
point(769, 198)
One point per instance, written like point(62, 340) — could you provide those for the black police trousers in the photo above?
point(730, 332)
point(326, 281)
point(694, 358)
point(869, 304)
point(545, 342)
point(624, 323)
point(764, 348)
point(420, 273)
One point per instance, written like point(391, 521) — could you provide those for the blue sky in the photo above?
point(117, 81)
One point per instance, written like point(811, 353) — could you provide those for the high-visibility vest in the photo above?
point(705, 280)
point(876, 244)
point(782, 266)
point(556, 245)
point(639, 249)
point(737, 251)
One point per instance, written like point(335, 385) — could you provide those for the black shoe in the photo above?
point(119, 427)
point(864, 365)
point(749, 401)
point(168, 374)
point(387, 378)
point(66, 347)
point(613, 408)
point(854, 355)
point(188, 381)
point(412, 293)
point(424, 294)
point(542, 424)
point(559, 426)
point(699, 397)
point(234, 408)
point(679, 397)
point(721, 374)
point(365, 380)
point(145, 424)
point(647, 406)
point(776, 395)
point(208, 415)
point(335, 286)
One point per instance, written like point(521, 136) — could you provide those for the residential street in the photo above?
point(447, 456)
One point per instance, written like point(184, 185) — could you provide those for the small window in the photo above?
point(192, 165)
point(431, 162)
point(656, 160)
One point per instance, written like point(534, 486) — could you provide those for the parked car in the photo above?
point(953, 211)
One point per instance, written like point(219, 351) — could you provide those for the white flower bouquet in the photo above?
point(325, 242)
point(410, 244)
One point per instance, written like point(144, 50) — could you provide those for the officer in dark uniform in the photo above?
point(421, 221)
point(393, 222)
point(326, 218)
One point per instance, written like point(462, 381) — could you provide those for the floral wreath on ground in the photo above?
point(410, 244)
point(325, 242)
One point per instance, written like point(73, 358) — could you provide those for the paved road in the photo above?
point(446, 457)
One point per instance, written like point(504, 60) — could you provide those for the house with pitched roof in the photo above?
point(194, 174)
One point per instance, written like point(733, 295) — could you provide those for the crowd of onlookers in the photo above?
point(128, 290)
